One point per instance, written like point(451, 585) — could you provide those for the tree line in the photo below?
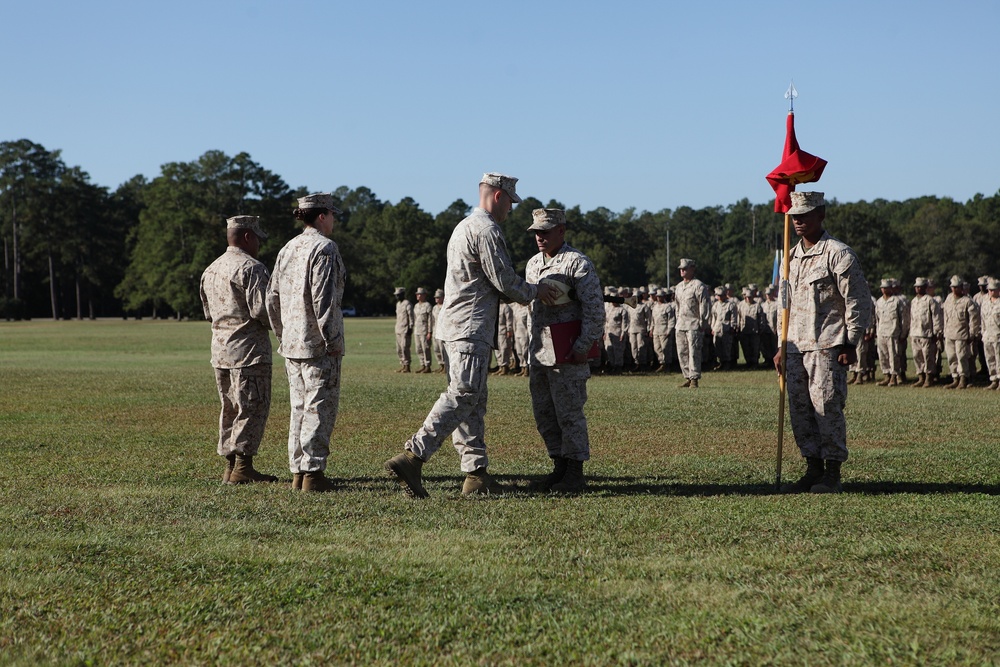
point(75, 249)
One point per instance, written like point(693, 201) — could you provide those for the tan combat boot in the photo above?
point(297, 481)
point(854, 378)
point(481, 483)
point(406, 368)
point(687, 383)
point(919, 382)
point(954, 383)
point(244, 473)
point(316, 482)
point(573, 481)
point(558, 471)
point(963, 383)
point(814, 472)
point(994, 385)
point(694, 383)
point(884, 382)
point(405, 468)
point(230, 464)
point(895, 381)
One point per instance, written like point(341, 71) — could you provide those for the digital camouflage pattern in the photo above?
point(990, 315)
point(505, 335)
point(926, 327)
point(615, 329)
point(314, 393)
point(233, 295)
point(404, 331)
point(961, 326)
point(423, 330)
point(889, 328)
point(817, 395)
point(246, 403)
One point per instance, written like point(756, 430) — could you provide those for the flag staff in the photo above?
point(790, 95)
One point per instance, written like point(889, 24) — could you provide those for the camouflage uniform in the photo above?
point(926, 326)
point(664, 320)
point(505, 335)
point(233, 289)
point(750, 322)
point(769, 329)
point(404, 331)
point(961, 326)
point(479, 271)
point(522, 327)
point(723, 321)
point(423, 329)
point(694, 305)
point(889, 321)
point(829, 307)
point(638, 329)
point(435, 312)
point(990, 315)
point(304, 303)
point(615, 329)
point(559, 388)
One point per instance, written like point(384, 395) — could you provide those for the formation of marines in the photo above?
point(557, 326)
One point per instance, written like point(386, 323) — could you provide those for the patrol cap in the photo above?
point(719, 291)
point(992, 283)
point(612, 291)
point(886, 283)
point(421, 290)
point(983, 280)
point(504, 182)
point(439, 294)
point(544, 219)
point(399, 291)
point(251, 222)
point(770, 287)
point(803, 202)
point(956, 281)
point(746, 291)
point(752, 287)
point(685, 263)
point(319, 200)
point(920, 282)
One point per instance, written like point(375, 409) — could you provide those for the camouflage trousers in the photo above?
point(246, 402)
point(689, 345)
point(640, 348)
point(423, 348)
point(461, 409)
point(439, 351)
point(615, 348)
point(663, 347)
point(558, 394)
point(888, 355)
point(750, 342)
point(959, 357)
point(314, 392)
point(924, 354)
point(901, 355)
point(505, 350)
point(521, 348)
point(723, 347)
point(403, 342)
point(817, 394)
point(992, 350)
point(768, 346)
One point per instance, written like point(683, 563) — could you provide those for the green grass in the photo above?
point(119, 546)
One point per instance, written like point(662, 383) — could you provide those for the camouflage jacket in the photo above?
point(693, 304)
point(926, 317)
point(664, 319)
point(890, 318)
point(404, 317)
point(961, 318)
point(304, 297)
point(233, 290)
point(423, 318)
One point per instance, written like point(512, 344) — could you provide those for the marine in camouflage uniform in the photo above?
point(505, 339)
point(889, 322)
point(961, 327)
point(694, 305)
point(926, 327)
point(829, 309)
point(990, 315)
point(522, 327)
point(769, 325)
point(723, 323)
point(981, 295)
point(559, 385)
point(404, 329)
point(664, 320)
point(435, 311)
point(479, 273)
point(638, 330)
point(233, 290)
point(749, 322)
point(423, 329)
point(615, 329)
point(304, 304)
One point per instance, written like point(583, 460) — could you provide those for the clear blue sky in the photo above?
point(622, 104)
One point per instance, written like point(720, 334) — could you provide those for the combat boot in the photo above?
point(954, 383)
point(405, 469)
point(424, 369)
point(573, 480)
point(884, 382)
point(406, 368)
point(441, 369)
point(963, 383)
point(297, 481)
point(814, 472)
point(244, 473)
point(932, 379)
point(558, 471)
point(230, 464)
point(316, 482)
point(895, 382)
point(994, 385)
point(862, 378)
point(830, 482)
point(687, 383)
point(524, 371)
point(480, 483)
point(919, 382)
point(854, 378)
point(694, 383)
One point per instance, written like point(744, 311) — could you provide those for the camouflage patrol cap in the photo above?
point(992, 284)
point(803, 202)
point(421, 290)
point(920, 281)
point(251, 222)
point(719, 291)
point(685, 263)
point(956, 281)
point(612, 291)
point(983, 280)
point(752, 287)
point(399, 291)
point(544, 219)
point(319, 200)
point(504, 182)
point(439, 294)
point(886, 283)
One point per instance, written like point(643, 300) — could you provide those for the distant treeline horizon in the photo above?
point(74, 249)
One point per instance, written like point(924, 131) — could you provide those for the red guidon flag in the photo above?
point(796, 166)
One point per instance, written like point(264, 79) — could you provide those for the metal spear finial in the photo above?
point(790, 95)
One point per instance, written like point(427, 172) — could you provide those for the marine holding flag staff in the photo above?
point(829, 310)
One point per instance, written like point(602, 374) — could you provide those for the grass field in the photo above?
point(118, 545)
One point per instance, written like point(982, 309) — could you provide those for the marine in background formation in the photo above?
point(404, 329)
point(423, 329)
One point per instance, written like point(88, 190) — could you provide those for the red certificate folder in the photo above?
point(564, 334)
